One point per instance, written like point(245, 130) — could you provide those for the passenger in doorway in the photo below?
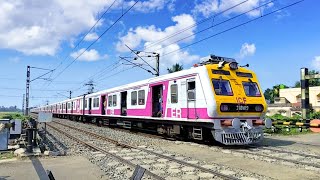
point(105, 106)
point(159, 106)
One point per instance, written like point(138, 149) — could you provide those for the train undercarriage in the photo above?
point(239, 132)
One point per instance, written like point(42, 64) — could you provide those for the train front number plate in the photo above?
point(242, 108)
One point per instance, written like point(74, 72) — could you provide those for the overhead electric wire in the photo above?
point(32, 89)
point(215, 25)
point(94, 25)
point(234, 27)
point(35, 97)
point(123, 14)
point(193, 25)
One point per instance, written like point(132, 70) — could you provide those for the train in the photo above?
point(216, 99)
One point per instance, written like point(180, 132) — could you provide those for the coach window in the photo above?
point(94, 102)
point(191, 90)
point(141, 97)
point(114, 100)
point(134, 98)
point(109, 101)
point(222, 87)
point(68, 105)
point(98, 102)
point(251, 89)
point(174, 93)
point(86, 104)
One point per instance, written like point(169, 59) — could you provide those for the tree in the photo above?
point(175, 68)
point(270, 94)
point(312, 82)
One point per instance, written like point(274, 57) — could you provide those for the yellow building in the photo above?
point(289, 102)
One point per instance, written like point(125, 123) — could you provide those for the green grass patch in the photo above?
point(6, 155)
point(12, 115)
point(282, 130)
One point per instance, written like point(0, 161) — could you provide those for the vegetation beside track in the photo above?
point(13, 115)
point(289, 129)
point(6, 155)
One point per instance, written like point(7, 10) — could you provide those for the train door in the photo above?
point(90, 103)
point(157, 99)
point(191, 99)
point(72, 105)
point(123, 103)
point(66, 108)
point(103, 104)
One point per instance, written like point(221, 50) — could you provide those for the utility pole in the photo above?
point(28, 84)
point(27, 91)
point(70, 94)
point(90, 86)
point(157, 64)
point(23, 97)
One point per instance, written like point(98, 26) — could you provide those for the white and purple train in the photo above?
point(215, 99)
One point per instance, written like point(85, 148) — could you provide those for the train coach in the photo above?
point(216, 99)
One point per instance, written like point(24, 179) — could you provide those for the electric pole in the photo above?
point(23, 97)
point(70, 92)
point(28, 84)
point(27, 91)
point(90, 86)
point(157, 64)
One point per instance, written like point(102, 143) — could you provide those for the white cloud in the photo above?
point(210, 7)
point(171, 6)
point(247, 50)
point(149, 35)
point(148, 6)
point(316, 62)
point(38, 27)
point(91, 37)
point(89, 55)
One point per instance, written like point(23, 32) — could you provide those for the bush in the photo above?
point(315, 115)
point(13, 116)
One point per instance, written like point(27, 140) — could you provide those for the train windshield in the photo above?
point(251, 89)
point(222, 87)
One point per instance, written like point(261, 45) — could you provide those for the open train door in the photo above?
point(123, 103)
point(103, 104)
point(157, 99)
point(90, 102)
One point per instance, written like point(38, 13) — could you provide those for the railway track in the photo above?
point(148, 151)
point(260, 151)
point(300, 160)
point(96, 148)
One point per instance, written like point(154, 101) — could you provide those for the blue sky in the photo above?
point(43, 34)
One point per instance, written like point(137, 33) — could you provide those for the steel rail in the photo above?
point(103, 151)
point(224, 176)
point(278, 158)
point(288, 152)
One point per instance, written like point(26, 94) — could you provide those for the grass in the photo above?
point(282, 130)
point(6, 155)
point(12, 115)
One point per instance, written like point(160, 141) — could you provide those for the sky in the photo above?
point(83, 40)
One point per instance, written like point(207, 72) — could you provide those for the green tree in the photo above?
point(270, 94)
point(175, 68)
point(312, 82)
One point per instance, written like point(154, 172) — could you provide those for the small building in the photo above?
point(289, 101)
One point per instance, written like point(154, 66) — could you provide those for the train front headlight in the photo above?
point(224, 108)
point(258, 108)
